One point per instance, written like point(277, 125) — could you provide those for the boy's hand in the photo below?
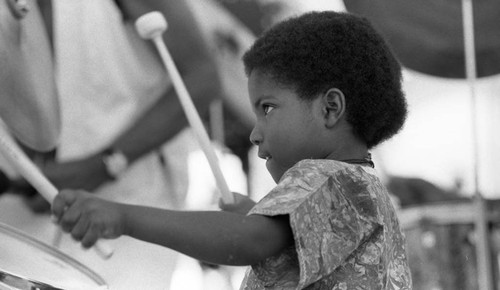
point(242, 204)
point(88, 217)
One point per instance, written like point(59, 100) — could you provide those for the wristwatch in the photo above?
point(115, 161)
point(18, 8)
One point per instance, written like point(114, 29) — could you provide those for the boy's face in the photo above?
point(287, 129)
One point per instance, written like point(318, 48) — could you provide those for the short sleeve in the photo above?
point(328, 216)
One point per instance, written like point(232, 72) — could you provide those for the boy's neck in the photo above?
point(350, 148)
point(351, 155)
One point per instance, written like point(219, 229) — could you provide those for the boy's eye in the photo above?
point(267, 109)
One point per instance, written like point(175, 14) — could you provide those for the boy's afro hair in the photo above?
point(322, 50)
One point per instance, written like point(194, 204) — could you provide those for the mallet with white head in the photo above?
point(151, 26)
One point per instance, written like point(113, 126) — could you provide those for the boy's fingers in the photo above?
point(62, 202)
point(68, 196)
point(58, 207)
point(81, 227)
point(70, 218)
point(91, 236)
point(238, 197)
point(223, 205)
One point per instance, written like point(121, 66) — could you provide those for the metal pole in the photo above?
point(484, 269)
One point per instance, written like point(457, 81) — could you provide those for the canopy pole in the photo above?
point(483, 252)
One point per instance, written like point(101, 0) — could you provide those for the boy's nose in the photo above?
point(255, 136)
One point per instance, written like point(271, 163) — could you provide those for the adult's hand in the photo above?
point(85, 174)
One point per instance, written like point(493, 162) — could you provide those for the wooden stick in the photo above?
point(32, 174)
point(151, 26)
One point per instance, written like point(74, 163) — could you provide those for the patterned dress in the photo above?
point(347, 235)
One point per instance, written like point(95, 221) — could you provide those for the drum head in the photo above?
point(28, 97)
point(26, 263)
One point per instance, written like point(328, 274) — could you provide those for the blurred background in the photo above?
point(437, 142)
point(446, 154)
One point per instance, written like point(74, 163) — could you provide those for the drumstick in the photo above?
point(32, 174)
point(151, 26)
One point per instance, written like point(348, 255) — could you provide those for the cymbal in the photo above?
point(28, 97)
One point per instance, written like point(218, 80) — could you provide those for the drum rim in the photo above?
point(27, 283)
point(13, 232)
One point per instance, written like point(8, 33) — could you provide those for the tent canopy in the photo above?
point(427, 35)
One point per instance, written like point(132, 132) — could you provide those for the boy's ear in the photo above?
point(333, 106)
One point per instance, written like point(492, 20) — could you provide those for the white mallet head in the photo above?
point(151, 25)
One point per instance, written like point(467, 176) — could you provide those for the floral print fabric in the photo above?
point(346, 231)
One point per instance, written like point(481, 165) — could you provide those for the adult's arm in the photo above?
point(193, 58)
point(166, 118)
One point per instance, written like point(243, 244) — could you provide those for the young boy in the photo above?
point(325, 89)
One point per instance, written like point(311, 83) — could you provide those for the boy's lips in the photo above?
point(264, 156)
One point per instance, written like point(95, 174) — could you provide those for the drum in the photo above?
point(441, 242)
point(26, 263)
